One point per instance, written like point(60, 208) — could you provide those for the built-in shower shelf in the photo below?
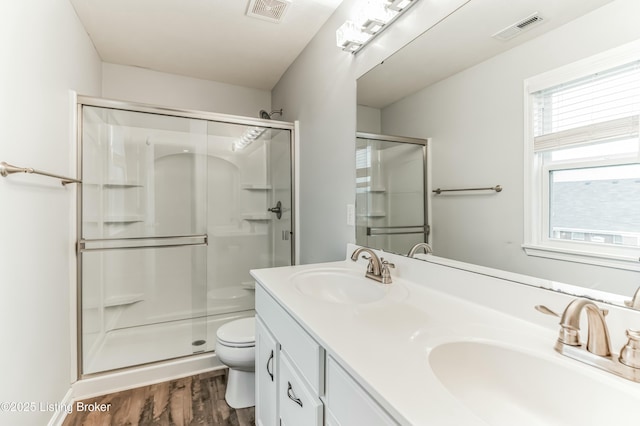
point(123, 300)
point(256, 186)
point(122, 185)
point(256, 216)
point(248, 285)
point(374, 214)
point(123, 219)
point(235, 234)
point(115, 185)
point(115, 220)
point(378, 189)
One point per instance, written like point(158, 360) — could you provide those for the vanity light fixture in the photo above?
point(372, 17)
point(400, 5)
point(375, 15)
point(350, 37)
point(247, 138)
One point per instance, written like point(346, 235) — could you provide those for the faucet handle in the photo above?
point(385, 272)
point(386, 263)
point(568, 336)
point(543, 309)
point(370, 264)
point(630, 353)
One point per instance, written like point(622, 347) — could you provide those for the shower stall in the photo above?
point(174, 210)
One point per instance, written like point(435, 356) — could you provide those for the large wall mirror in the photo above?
point(463, 85)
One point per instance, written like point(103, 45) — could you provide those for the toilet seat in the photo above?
point(238, 334)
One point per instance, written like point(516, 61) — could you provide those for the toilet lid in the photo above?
point(242, 331)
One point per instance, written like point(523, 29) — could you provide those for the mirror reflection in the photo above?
point(470, 85)
point(391, 209)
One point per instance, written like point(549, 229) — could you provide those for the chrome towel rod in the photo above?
point(8, 169)
point(496, 188)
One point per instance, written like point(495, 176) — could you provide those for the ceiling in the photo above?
point(206, 39)
point(462, 40)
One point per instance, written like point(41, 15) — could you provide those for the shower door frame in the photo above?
point(426, 169)
point(82, 101)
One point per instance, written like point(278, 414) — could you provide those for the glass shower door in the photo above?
point(391, 210)
point(174, 212)
point(142, 237)
point(249, 168)
point(281, 197)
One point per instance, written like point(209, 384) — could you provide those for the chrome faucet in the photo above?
point(427, 249)
point(378, 268)
point(598, 341)
point(598, 345)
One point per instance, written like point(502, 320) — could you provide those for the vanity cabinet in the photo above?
point(289, 368)
point(293, 387)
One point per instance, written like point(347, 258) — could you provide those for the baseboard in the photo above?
point(130, 378)
point(65, 405)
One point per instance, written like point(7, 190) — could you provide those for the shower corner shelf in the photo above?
point(114, 220)
point(378, 189)
point(123, 300)
point(256, 186)
point(374, 214)
point(256, 216)
point(248, 285)
point(236, 234)
point(124, 219)
point(114, 184)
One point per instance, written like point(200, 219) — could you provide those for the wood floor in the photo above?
point(194, 400)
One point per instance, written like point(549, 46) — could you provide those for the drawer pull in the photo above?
point(270, 361)
point(292, 396)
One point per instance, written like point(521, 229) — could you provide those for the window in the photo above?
point(582, 161)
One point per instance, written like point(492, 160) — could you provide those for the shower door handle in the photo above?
point(277, 209)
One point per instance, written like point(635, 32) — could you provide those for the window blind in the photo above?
point(363, 167)
point(600, 106)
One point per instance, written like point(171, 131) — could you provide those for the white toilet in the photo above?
point(236, 348)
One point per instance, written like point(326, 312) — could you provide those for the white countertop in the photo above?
point(385, 345)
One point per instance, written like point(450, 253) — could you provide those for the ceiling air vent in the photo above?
point(268, 10)
point(515, 29)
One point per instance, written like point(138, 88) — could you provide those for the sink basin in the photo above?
point(339, 285)
point(504, 386)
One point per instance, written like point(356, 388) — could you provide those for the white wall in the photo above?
point(369, 120)
point(135, 84)
point(319, 89)
point(476, 120)
point(45, 53)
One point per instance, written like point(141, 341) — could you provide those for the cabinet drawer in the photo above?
point(303, 351)
point(348, 404)
point(298, 405)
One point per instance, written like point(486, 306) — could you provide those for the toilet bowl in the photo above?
point(235, 347)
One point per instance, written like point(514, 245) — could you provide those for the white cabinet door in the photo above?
point(266, 376)
point(348, 404)
point(298, 404)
